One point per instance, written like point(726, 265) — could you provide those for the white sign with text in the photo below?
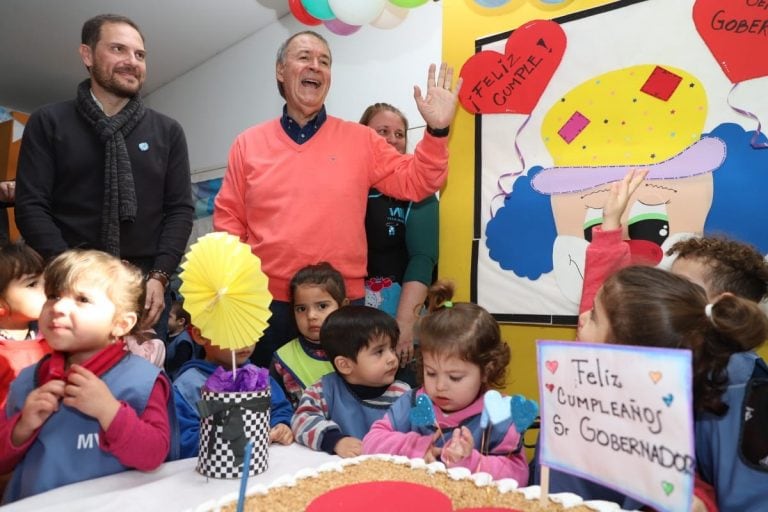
point(621, 416)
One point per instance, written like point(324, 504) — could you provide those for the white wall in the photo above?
point(236, 89)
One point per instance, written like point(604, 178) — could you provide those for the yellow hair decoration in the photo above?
point(446, 304)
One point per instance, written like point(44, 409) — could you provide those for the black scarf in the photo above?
point(119, 191)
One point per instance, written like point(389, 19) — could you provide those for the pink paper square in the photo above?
point(573, 127)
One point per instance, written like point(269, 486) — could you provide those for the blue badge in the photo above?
point(143, 146)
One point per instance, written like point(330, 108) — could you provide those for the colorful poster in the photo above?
point(621, 416)
point(637, 87)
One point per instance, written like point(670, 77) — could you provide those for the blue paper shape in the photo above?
point(422, 413)
point(524, 412)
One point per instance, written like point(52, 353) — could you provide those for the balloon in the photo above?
point(340, 28)
point(301, 14)
point(513, 82)
point(357, 12)
point(408, 3)
point(319, 9)
point(390, 17)
point(728, 29)
point(491, 3)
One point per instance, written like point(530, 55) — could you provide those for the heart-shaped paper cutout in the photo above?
point(735, 33)
point(524, 412)
point(496, 408)
point(668, 399)
point(551, 366)
point(655, 376)
point(422, 413)
point(513, 82)
point(550, 387)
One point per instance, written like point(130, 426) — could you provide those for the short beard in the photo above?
point(111, 84)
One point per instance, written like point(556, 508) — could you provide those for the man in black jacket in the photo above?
point(104, 172)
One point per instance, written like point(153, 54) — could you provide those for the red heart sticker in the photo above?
point(513, 82)
point(736, 33)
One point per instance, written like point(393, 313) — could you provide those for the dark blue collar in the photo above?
point(298, 134)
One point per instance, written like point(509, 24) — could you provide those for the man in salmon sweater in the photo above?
point(296, 187)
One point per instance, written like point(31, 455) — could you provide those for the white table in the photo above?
point(175, 486)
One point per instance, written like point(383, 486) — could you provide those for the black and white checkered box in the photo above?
point(227, 422)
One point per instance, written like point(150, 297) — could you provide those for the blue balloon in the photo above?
point(491, 3)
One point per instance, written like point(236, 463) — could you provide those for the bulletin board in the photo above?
point(534, 202)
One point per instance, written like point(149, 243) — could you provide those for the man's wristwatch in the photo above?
point(161, 276)
point(438, 132)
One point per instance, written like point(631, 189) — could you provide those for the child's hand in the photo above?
point(618, 199)
point(698, 506)
point(433, 452)
point(38, 407)
point(348, 447)
point(459, 447)
point(90, 395)
point(281, 434)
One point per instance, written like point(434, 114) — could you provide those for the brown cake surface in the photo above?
point(463, 492)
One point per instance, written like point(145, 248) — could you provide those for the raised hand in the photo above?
point(618, 199)
point(438, 107)
point(459, 447)
point(38, 407)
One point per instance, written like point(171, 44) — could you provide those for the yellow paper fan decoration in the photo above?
point(225, 291)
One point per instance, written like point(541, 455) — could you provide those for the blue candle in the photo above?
point(244, 478)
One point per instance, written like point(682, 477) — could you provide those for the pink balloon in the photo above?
point(340, 28)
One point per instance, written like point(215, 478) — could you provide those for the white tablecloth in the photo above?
point(175, 486)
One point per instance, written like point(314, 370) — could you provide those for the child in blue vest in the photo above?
point(187, 392)
point(649, 306)
point(336, 411)
point(729, 474)
point(91, 408)
point(316, 292)
point(462, 357)
point(180, 347)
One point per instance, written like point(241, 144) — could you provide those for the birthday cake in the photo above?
point(384, 483)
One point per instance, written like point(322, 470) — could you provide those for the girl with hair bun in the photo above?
point(652, 307)
point(462, 357)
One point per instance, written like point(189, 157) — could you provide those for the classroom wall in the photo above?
point(236, 89)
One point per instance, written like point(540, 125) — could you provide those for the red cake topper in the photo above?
point(381, 497)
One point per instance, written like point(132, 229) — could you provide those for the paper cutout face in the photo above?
point(647, 116)
point(735, 33)
point(513, 82)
